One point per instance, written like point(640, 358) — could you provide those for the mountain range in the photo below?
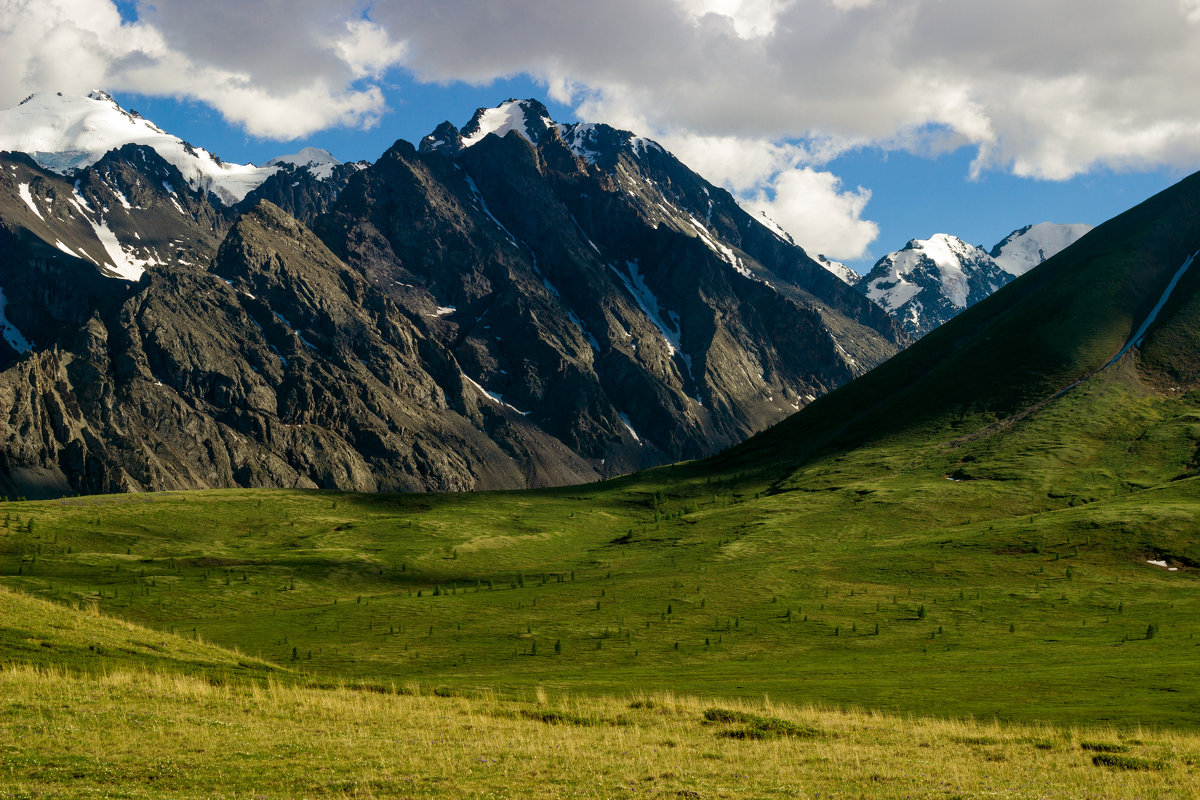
point(931, 280)
point(514, 303)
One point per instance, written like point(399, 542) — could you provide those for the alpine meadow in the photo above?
point(527, 461)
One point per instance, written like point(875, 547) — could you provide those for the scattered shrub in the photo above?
point(1125, 762)
point(756, 726)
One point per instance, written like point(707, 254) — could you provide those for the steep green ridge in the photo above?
point(1051, 327)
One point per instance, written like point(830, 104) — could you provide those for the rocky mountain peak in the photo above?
point(445, 138)
point(318, 161)
point(529, 118)
point(931, 280)
point(548, 307)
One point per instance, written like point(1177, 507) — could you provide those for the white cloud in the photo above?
point(778, 179)
point(367, 48)
point(748, 91)
point(278, 75)
point(820, 215)
point(989, 74)
point(750, 18)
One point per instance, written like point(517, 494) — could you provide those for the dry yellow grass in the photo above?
point(164, 735)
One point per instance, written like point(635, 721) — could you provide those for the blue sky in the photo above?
point(912, 196)
point(822, 113)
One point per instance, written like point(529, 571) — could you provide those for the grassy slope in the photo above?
point(36, 633)
point(147, 728)
point(1051, 327)
point(1033, 578)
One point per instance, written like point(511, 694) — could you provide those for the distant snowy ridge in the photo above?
point(318, 161)
point(932, 280)
point(1024, 249)
point(63, 133)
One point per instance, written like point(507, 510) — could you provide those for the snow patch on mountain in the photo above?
point(526, 117)
point(589, 141)
point(1144, 328)
point(290, 327)
point(1024, 249)
point(648, 302)
point(840, 270)
point(498, 399)
point(63, 133)
point(581, 139)
point(773, 226)
point(13, 336)
point(27, 196)
point(629, 426)
point(725, 253)
point(121, 264)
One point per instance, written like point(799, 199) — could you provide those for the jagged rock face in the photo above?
point(634, 310)
point(305, 191)
point(199, 380)
point(542, 307)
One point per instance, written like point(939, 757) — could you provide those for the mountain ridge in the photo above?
point(568, 317)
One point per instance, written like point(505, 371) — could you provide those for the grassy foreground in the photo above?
point(160, 735)
point(1006, 577)
point(153, 715)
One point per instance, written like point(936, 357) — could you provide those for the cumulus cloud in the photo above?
point(1044, 89)
point(294, 69)
point(778, 179)
point(814, 208)
point(756, 93)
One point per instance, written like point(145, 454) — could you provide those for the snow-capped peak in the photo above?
point(67, 132)
point(529, 118)
point(597, 144)
point(1024, 249)
point(318, 161)
point(445, 137)
point(956, 270)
